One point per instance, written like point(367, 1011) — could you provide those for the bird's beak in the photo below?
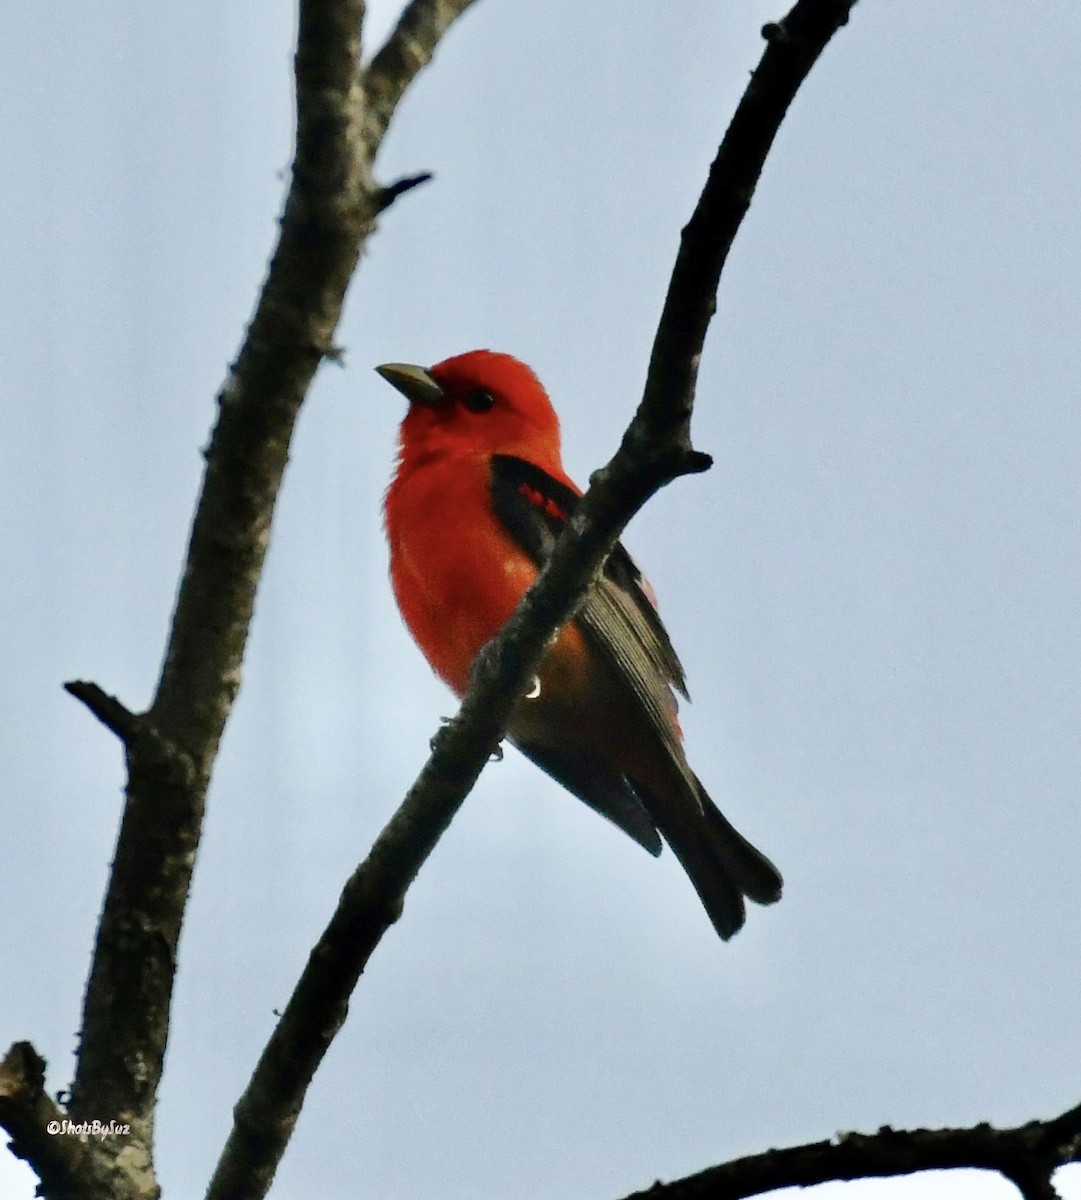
point(415, 383)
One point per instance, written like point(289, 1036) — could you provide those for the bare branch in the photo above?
point(387, 195)
point(329, 212)
point(370, 903)
point(1034, 1187)
point(108, 709)
point(1027, 1155)
point(655, 450)
point(405, 53)
point(793, 47)
point(89, 1160)
point(29, 1114)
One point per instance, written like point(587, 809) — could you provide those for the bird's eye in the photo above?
point(479, 401)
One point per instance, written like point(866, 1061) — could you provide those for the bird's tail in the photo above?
point(723, 866)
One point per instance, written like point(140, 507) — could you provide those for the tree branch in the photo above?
point(405, 53)
point(387, 195)
point(793, 47)
point(33, 1120)
point(1027, 1156)
point(126, 1013)
point(655, 450)
point(329, 212)
point(108, 709)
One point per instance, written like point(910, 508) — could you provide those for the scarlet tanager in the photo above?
point(475, 506)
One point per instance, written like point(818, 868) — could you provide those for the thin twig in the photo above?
point(1027, 1155)
point(407, 51)
point(386, 196)
point(108, 709)
point(793, 47)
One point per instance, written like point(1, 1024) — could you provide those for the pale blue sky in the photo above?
point(876, 590)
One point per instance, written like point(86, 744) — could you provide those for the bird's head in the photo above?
point(478, 401)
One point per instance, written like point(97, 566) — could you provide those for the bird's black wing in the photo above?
point(618, 614)
point(621, 621)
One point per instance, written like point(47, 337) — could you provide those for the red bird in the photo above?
point(475, 506)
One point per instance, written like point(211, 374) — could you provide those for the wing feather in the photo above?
point(618, 614)
point(621, 622)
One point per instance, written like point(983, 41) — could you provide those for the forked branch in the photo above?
point(330, 211)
